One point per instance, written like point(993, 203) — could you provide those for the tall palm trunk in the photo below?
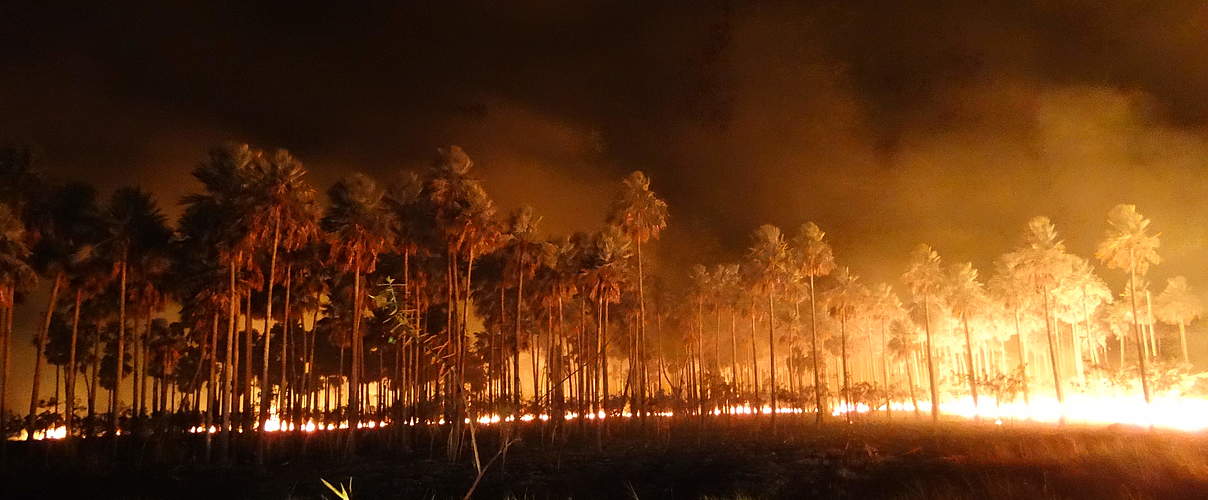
point(94, 369)
point(1053, 360)
point(733, 353)
point(70, 391)
point(699, 393)
point(6, 328)
point(818, 413)
point(914, 400)
point(1132, 287)
point(286, 342)
point(265, 386)
point(754, 363)
point(604, 359)
point(641, 337)
point(247, 409)
point(972, 372)
point(31, 419)
point(354, 391)
point(935, 395)
point(1183, 340)
point(1023, 358)
point(458, 390)
point(772, 353)
point(211, 395)
point(516, 331)
point(228, 370)
point(885, 372)
point(600, 373)
point(116, 397)
point(846, 374)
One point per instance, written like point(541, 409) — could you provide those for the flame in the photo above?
point(1170, 410)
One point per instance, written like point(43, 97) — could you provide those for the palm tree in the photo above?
point(966, 296)
point(222, 229)
point(642, 216)
point(1010, 287)
point(16, 275)
point(69, 224)
point(843, 298)
point(286, 203)
point(358, 225)
point(1076, 299)
point(465, 222)
point(522, 229)
point(605, 272)
point(89, 278)
point(769, 255)
point(814, 258)
point(886, 307)
point(1044, 265)
point(726, 279)
point(149, 272)
point(925, 280)
point(702, 286)
point(1127, 245)
point(904, 346)
point(136, 227)
point(1178, 305)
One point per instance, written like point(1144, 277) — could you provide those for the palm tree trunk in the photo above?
point(914, 400)
point(935, 395)
point(1048, 326)
point(772, 353)
point(1183, 340)
point(95, 368)
point(1153, 335)
point(1132, 287)
point(228, 371)
point(1023, 358)
point(604, 359)
point(972, 373)
point(850, 406)
point(247, 408)
point(754, 363)
point(600, 374)
point(38, 355)
point(516, 331)
point(6, 328)
point(116, 396)
point(641, 337)
point(70, 391)
point(354, 391)
point(885, 373)
point(265, 386)
point(286, 342)
point(818, 413)
point(464, 326)
point(699, 393)
point(211, 395)
point(733, 353)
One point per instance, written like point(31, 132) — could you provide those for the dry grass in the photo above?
point(725, 459)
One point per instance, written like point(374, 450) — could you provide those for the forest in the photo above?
point(405, 321)
point(410, 301)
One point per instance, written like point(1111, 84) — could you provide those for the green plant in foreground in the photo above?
point(344, 493)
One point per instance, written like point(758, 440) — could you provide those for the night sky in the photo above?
point(949, 123)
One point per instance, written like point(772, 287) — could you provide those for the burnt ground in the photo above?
point(719, 458)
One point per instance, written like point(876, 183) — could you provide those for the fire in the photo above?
point(1171, 410)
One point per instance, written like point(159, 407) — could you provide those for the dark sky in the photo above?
point(889, 123)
